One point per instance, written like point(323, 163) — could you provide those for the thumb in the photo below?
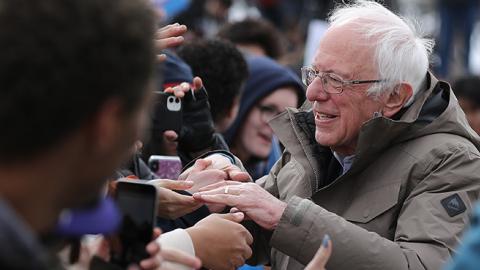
point(237, 175)
point(235, 217)
point(321, 257)
point(170, 135)
point(197, 83)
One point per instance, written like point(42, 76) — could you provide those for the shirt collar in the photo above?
point(345, 161)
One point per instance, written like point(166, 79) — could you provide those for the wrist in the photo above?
point(277, 214)
point(195, 235)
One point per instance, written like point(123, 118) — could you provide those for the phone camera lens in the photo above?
point(154, 166)
point(177, 100)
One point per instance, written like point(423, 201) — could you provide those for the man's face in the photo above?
point(117, 137)
point(339, 117)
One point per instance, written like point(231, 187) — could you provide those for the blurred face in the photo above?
point(338, 117)
point(255, 138)
point(111, 138)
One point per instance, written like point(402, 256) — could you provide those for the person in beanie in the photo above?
point(269, 89)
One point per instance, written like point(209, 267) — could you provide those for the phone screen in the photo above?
point(137, 202)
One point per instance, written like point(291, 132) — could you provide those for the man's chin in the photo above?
point(324, 139)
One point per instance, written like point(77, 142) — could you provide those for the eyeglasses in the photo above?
point(267, 112)
point(331, 83)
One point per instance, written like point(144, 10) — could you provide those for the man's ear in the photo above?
point(105, 125)
point(233, 112)
point(397, 99)
point(230, 116)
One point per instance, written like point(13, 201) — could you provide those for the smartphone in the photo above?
point(165, 167)
point(167, 112)
point(138, 203)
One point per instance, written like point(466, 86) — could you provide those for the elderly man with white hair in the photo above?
point(380, 158)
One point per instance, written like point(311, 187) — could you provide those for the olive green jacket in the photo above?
point(402, 205)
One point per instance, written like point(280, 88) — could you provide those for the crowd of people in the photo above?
point(364, 159)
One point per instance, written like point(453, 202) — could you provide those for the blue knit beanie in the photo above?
point(265, 76)
point(173, 71)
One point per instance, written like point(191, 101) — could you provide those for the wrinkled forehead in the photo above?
point(345, 52)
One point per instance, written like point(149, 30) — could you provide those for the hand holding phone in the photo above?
point(137, 202)
point(167, 112)
point(165, 167)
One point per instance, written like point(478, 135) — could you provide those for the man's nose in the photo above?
point(316, 91)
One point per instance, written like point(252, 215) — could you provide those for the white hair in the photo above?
point(401, 53)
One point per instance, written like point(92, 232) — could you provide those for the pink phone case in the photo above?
point(165, 167)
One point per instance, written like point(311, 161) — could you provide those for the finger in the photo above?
point(247, 252)
point(103, 250)
point(226, 190)
point(168, 90)
point(151, 263)
point(238, 175)
point(171, 184)
point(155, 259)
point(164, 28)
point(227, 199)
point(249, 240)
point(153, 248)
point(200, 165)
point(218, 185)
point(213, 174)
point(234, 210)
point(156, 233)
point(235, 217)
point(161, 57)
point(170, 135)
point(321, 257)
point(237, 261)
point(197, 83)
point(179, 90)
point(171, 30)
point(177, 256)
point(179, 200)
point(168, 42)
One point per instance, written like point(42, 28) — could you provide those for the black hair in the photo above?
point(222, 68)
point(255, 31)
point(468, 87)
point(60, 60)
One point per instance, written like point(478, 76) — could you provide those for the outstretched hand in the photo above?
point(167, 37)
point(259, 205)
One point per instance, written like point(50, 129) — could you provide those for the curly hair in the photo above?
point(255, 31)
point(222, 68)
point(60, 60)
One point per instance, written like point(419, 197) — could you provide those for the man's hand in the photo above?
point(202, 177)
point(172, 205)
point(321, 257)
point(249, 198)
point(220, 242)
point(169, 36)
